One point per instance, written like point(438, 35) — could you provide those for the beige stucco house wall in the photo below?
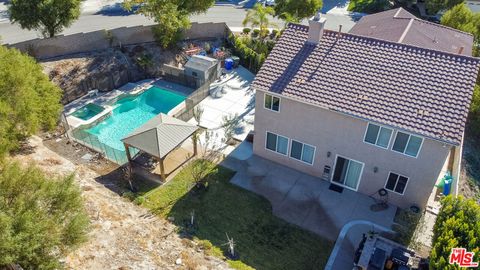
point(343, 135)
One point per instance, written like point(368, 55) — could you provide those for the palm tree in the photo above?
point(258, 16)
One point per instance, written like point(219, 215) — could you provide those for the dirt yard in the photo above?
point(123, 235)
point(470, 174)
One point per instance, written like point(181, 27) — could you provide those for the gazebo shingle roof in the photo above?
point(160, 135)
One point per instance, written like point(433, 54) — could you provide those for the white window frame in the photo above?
point(335, 166)
point(276, 146)
point(378, 135)
point(301, 155)
point(406, 185)
point(409, 137)
point(271, 109)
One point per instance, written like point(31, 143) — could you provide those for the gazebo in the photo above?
point(159, 137)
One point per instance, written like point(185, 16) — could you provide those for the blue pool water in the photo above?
point(88, 111)
point(131, 113)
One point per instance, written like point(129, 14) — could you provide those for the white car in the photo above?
point(269, 3)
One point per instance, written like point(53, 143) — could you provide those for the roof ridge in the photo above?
point(406, 45)
point(404, 34)
point(428, 22)
point(136, 134)
point(442, 26)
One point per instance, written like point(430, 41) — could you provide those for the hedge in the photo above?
point(457, 225)
point(252, 52)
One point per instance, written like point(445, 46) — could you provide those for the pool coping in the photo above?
point(106, 100)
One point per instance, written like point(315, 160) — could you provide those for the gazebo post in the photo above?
point(162, 169)
point(127, 150)
point(195, 139)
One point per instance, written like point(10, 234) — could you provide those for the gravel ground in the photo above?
point(123, 235)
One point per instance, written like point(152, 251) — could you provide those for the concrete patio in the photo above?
point(305, 200)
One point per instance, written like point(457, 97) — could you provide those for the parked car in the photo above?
point(269, 3)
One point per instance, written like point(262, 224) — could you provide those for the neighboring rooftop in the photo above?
point(418, 90)
point(398, 25)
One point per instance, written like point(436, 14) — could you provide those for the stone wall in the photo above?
point(61, 45)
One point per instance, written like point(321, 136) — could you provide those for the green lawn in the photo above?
point(263, 241)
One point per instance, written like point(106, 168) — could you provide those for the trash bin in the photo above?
point(229, 64)
point(447, 186)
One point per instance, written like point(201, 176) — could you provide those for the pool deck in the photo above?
point(231, 97)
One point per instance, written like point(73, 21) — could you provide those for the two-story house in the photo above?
point(366, 113)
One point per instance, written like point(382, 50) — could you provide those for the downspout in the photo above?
point(457, 166)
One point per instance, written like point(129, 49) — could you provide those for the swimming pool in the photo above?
point(129, 113)
point(88, 111)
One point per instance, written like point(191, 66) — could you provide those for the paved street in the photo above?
point(107, 14)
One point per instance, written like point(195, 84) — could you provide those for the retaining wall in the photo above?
point(61, 45)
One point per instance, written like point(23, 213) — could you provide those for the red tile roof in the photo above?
point(419, 90)
point(398, 25)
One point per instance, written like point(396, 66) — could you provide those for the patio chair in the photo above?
point(381, 200)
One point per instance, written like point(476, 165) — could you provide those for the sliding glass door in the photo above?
point(347, 172)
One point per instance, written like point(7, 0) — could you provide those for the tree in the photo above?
point(41, 218)
point(297, 9)
point(171, 16)
point(457, 225)
point(434, 6)
point(474, 117)
point(462, 18)
point(288, 18)
point(47, 16)
point(28, 100)
point(258, 16)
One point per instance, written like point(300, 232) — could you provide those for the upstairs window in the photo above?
point(396, 183)
point(277, 143)
point(377, 135)
point(302, 151)
point(272, 103)
point(407, 144)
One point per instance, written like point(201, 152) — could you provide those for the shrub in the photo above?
point(139, 200)
point(275, 33)
point(29, 102)
point(474, 116)
point(457, 225)
point(256, 32)
point(41, 218)
point(246, 30)
point(252, 52)
point(265, 32)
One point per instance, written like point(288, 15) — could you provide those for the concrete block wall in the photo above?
point(44, 49)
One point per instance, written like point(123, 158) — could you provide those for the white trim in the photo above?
point(378, 135)
point(276, 145)
point(301, 154)
point(409, 137)
point(335, 166)
point(353, 116)
point(388, 176)
point(271, 109)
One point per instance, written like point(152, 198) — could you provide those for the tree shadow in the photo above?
point(116, 182)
